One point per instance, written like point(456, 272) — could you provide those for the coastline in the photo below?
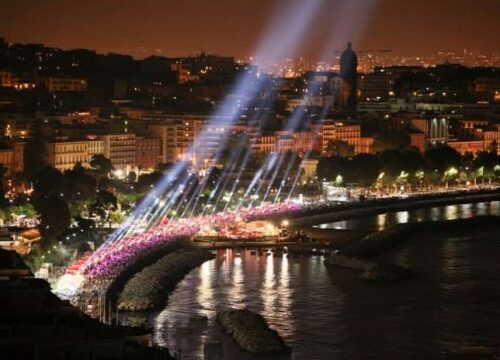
point(362, 254)
point(374, 207)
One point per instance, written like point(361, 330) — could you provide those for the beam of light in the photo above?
point(295, 21)
point(291, 161)
point(246, 88)
point(296, 179)
point(268, 169)
point(224, 185)
point(228, 171)
point(248, 155)
point(284, 178)
point(346, 29)
point(258, 176)
point(350, 19)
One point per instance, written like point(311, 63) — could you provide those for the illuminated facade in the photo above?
point(54, 84)
point(64, 155)
point(467, 146)
point(6, 79)
point(147, 152)
point(12, 158)
point(120, 149)
point(95, 147)
point(436, 129)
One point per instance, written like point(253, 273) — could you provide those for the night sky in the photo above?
point(235, 27)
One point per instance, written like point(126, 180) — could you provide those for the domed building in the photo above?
point(349, 76)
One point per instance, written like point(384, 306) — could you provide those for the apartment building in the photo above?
point(64, 155)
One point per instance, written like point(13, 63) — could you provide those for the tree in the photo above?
point(146, 181)
point(391, 139)
point(116, 217)
point(107, 199)
point(391, 163)
point(163, 167)
point(35, 151)
point(3, 172)
point(55, 218)
point(328, 168)
point(339, 148)
point(102, 165)
point(47, 181)
point(485, 163)
point(412, 161)
point(368, 168)
point(441, 158)
point(132, 177)
point(79, 189)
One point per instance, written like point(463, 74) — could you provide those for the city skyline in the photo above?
point(176, 29)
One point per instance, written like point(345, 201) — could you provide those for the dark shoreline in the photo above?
point(361, 255)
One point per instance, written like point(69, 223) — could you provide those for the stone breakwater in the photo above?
point(360, 255)
point(148, 289)
point(251, 332)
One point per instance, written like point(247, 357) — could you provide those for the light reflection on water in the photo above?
point(327, 313)
point(451, 212)
point(234, 279)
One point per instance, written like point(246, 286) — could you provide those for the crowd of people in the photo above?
point(114, 256)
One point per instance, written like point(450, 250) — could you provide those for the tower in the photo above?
point(349, 75)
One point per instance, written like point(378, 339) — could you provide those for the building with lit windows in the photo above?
point(12, 158)
point(435, 129)
point(6, 79)
point(64, 155)
point(331, 130)
point(54, 84)
point(120, 149)
point(147, 153)
point(95, 147)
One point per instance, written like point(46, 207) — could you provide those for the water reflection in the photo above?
point(381, 220)
point(402, 217)
point(451, 212)
point(268, 294)
point(237, 294)
point(325, 313)
point(205, 294)
point(233, 280)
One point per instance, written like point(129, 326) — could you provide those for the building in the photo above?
point(120, 149)
point(147, 152)
point(467, 146)
point(418, 140)
point(6, 79)
point(64, 155)
point(95, 147)
point(349, 75)
point(12, 157)
point(316, 139)
point(298, 142)
point(209, 141)
point(487, 88)
point(323, 101)
point(263, 144)
point(193, 138)
point(54, 84)
point(435, 129)
point(331, 130)
point(7, 159)
point(377, 86)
